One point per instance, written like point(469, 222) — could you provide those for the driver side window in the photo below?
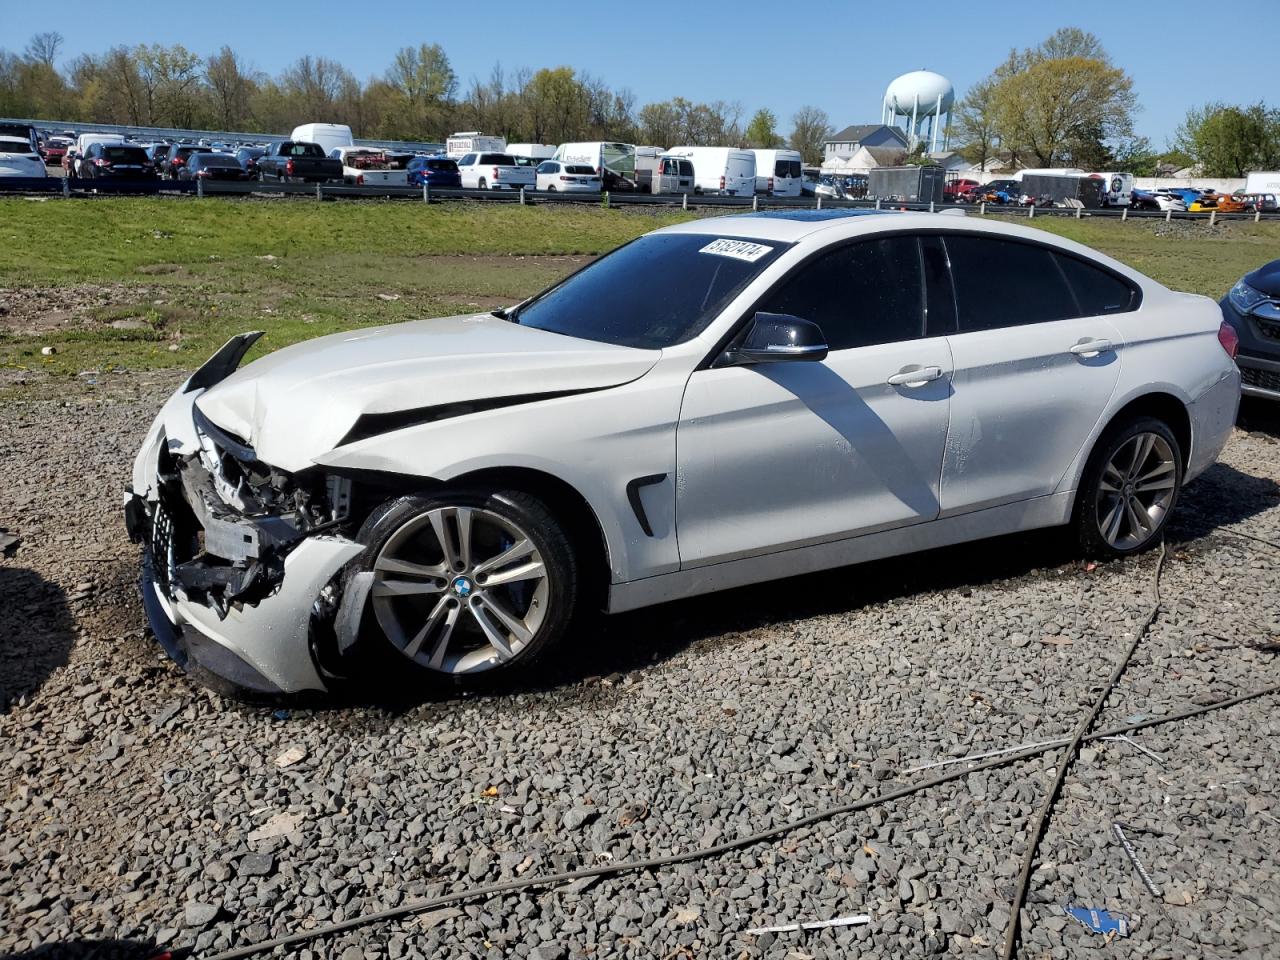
point(860, 294)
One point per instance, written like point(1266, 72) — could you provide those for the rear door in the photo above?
point(781, 455)
point(1035, 366)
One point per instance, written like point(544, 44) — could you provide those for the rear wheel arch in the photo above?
point(1162, 406)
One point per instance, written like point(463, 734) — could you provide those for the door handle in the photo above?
point(914, 378)
point(1091, 348)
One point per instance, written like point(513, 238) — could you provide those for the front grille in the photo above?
point(1263, 379)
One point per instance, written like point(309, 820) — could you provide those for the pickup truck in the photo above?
point(365, 166)
point(295, 161)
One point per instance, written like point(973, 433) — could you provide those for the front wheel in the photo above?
point(1129, 488)
point(467, 582)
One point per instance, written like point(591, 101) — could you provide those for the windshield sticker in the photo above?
point(738, 249)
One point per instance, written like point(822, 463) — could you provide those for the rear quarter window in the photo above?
point(1097, 291)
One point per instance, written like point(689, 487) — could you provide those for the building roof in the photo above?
point(860, 131)
point(884, 156)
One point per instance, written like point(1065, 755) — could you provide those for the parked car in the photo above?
point(1188, 194)
point(671, 175)
point(248, 159)
point(556, 175)
point(958, 189)
point(212, 166)
point(1157, 200)
point(1261, 202)
point(294, 161)
point(446, 498)
point(53, 149)
point(1252, 308)
point(366, 166)
point(1220, 202)
point(177, 157)
point(20, 151)
point(494, 171)
point(116, 161)
point(434, 172)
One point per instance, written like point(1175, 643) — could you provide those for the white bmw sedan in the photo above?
point(719, 403)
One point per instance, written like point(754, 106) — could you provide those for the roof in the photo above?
point(885, 156)
point(859, 131)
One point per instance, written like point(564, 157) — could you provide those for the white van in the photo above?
point(610, 161)
point(724, 170)
point(531, 151)
point(1262, 181)
point(1117, 188)
point(473, 141)
point(779, 172)
point(329, 136)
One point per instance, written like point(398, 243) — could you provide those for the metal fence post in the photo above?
point(1257, 215)
point(931, 210)
point(755, 203)
point(1079, 212)
point(684, 201)
point(319, 194)
point(426, 192)
point(1124, 214)
point(1168, 215)
point(66, 185)
point(606, 199)
point(1213, 217)
point(982, 209)
point(522, 196)
point(199, 187)
point(877, 203)
point(1031, 211)
point(819, 196)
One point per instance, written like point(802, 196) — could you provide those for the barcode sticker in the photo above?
point(738, 249)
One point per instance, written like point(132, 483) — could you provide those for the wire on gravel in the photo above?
point(1064, 763)
point(418, 906)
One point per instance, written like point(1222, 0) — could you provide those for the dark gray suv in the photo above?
point(1252, 308)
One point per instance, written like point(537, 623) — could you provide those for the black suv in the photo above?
point(116, 160)
point(1253, 310)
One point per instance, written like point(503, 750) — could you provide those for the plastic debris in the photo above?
point(281, 714)
point(853, 921)
point(277, 826)
point(1099, 921)
point(1137, 746)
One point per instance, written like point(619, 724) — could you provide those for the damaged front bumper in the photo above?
point(237, 594)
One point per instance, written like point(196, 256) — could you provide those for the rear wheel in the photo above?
point(483, 184)
point(467, 582)
point(551, 188)
point(1129, 488)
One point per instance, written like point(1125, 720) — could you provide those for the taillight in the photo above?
point(722, 182)
point(359, 179)
point(101, 163)
point(564, 179)
point(771, 184)
point(1229, 339)
point(288, 168)
point(496, 173)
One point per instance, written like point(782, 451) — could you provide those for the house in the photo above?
point(843, 145)
point(863, 159)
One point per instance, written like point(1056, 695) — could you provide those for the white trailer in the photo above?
point(473, 141)
point(720, 170)
point(1262, 181)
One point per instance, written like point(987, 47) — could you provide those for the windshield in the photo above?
point(657, 291)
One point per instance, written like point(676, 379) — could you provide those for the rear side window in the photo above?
point(1004, 283)
point(1097, 291)
point(580, 170)
point(497, 159)
point(862, 294)
point(443, 166)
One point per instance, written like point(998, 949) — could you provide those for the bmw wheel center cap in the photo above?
point(462, 586)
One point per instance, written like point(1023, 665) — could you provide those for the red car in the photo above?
point(956, 190)
point(53, 150)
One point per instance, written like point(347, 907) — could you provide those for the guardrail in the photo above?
point(71, 187)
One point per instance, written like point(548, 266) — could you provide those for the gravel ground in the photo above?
point(139, 809)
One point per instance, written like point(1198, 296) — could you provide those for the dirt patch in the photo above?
point(36, 310)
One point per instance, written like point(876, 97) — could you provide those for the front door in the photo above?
point(779, 455)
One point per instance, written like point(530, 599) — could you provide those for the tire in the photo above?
point(551, 188)
point(1131, 519)
point(437, 617)
point(482, 184)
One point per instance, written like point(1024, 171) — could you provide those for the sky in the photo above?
point(778, 55)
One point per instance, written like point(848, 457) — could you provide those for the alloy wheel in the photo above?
point(460, 589)
point(1136, 490)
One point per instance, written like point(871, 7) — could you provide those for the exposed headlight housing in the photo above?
point(1244, 297)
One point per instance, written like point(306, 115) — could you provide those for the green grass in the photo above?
point(178, 277)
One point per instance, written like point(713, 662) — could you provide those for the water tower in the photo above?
point(924, 99)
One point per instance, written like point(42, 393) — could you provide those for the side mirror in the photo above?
point(778, 337)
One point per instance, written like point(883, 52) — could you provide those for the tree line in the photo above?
point(418, 97)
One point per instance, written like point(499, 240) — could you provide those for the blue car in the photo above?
point(434, 172)
point(1188, 194)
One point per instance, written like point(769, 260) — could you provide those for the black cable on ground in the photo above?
point(1064, 763)
point(1249, 536)
point(632, 866)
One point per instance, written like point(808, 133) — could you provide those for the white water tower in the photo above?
point(923, 99)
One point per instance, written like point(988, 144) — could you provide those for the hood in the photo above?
point(298, 403)
point(1266, 279)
